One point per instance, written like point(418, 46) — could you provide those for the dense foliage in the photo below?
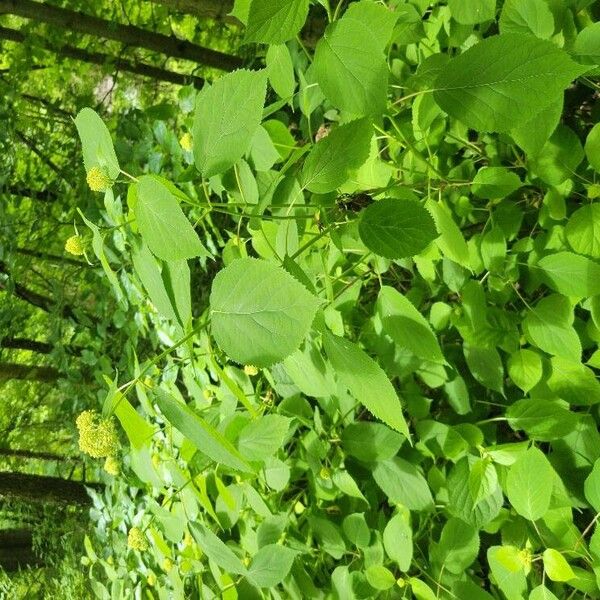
point(343, 335)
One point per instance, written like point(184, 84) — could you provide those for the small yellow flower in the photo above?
point(188, 540)
point(111, 465)
point(186, 141)
point(97, 436)
point(74, 245)
point(325, 473)
point(98, 180)
point(167, 565)
point(151, 579)
point(250, 370)
point(136, 539)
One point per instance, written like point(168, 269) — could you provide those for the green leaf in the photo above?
point(533, 134)
point(527, 16)
point(406, 325)
point(467, 589)
point(370, 442)
point(591, 486)
point(262, 437)
point(201, 433)
point(486, 366)
point(227, 115)
point(280, 70)
point(571, 275)
point(559, 157)
point(542, 420)
point(592, 145)
point(403, 483)
point(350, 66)
point(507, 568)
point(366, 381)
point(397, 539)
point(549, 326)
point(138, 430)
point(396, 228)
point(541, 592)
point(162, 224)
point(332, 157)
point(451, 241)
point(379, 577)
point(421, 590)
point(586, 48)
point(275, 21)
point(583, 229)
point(503, 81)
point(215, 549)
point(556, 566)
point(458, 546)
point(573, 382)
point(97, 146)
point(529, 484)
point(267, 304)
point(525, 368)
point(356, 530)
point(495, 182)
point(270, 565)
point(471, 12)
point(483, 480)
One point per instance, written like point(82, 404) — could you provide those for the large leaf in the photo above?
point(216, 550)
point(270, 565)
point(470, 12)
point(406, 325)
point(275, 21)
point(397, 539)
point(529, 484)
point(542, 419)
point(228, 113)
point(260, 313)
point(583, 230)
point(396, 228)
point(201, 433)
point(262, 437)
point(345, 148)
point(350, 66)
point(527, 16)
point(503, 81)
point(163, 225)
point(366, 381)
point(571, 275)
point(96, 143)
point(402, 483)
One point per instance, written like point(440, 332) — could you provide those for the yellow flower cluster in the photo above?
point(98, 180)
point(136, 539)
point(97, 436)
point(111, 465)
point(74, 245)
point(250, 370)
point(186, 142)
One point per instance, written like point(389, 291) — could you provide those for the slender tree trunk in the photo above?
point(26, 344)
point(212, 9)
point(126, 34)
point(14, 453)
point(28, 373)
point(16, 550)
point(56, 258)
point(98, 58)
point(40, 488)
point(17, 190)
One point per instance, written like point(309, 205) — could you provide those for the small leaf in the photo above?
point(228, 113)
point(201, 433)
point(403, 483)
point(262, 437)
point(271, 565)
point(525, 368)
point(215, 549)
point(371, 442)
point(97, 146)
point(592, 146)
point(571, 275)
point(328, 164)
point(260, 313)
point(529, 484)
point(583, 229)
point(541, 592)
point(162, 224)
point(556, 566)
point(451, 241)
point(495, 182)
point(379, 577)
point(275, 21)
point(366, 381)
point(591, 487)
point(397, 539)
point(396, 228)
point(483, 480)
point(471, 12)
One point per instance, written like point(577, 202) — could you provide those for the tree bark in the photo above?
point(126, 34)
point(28, 373)
point(16, 550)
point(26, 344)
point(40, 488)
point(98, 58)
point(15, 453)
point(17, 190)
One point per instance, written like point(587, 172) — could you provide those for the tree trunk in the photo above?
point(126, 34)
point(16, 550)
point(26, 344)
point(17, 190)
point(40, 488)
point(28, 373)
point(98, 58)
point(14, 453)
point(56, 258)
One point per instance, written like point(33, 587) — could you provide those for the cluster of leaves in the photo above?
point(390, 390)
